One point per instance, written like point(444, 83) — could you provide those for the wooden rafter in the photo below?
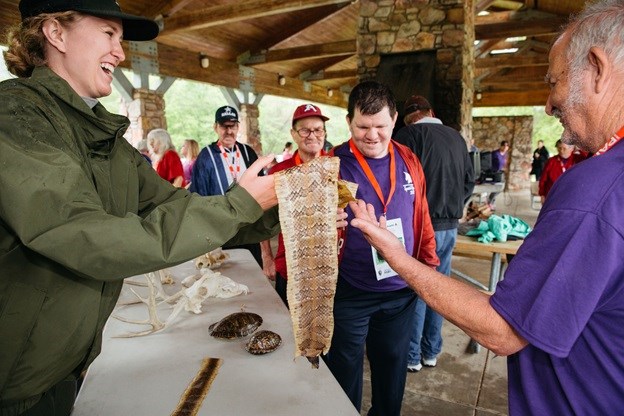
point(322, 50)
point(166, 8)
point(514, 28)
point(237, 11)
point(483, 5)
point(511, 61)
point(230, 75)
point(512, 98)
point(326, 75)
point(512, 86)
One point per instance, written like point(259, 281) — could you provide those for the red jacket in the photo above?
point(553, 169)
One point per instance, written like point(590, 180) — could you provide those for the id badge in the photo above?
point(382, 268)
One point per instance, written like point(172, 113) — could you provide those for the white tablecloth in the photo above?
point(147, 375)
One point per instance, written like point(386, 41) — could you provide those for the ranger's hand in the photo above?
point(261, 188)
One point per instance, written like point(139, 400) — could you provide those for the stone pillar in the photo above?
point(488, 132)
point(146, 112)
point(395, 26)
point(249, 131)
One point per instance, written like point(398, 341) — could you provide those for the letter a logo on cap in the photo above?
point(310, 107)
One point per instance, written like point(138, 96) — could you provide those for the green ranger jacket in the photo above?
point(81, 209)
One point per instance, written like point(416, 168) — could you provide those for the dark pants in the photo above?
point(58, 401)
point(254, 249)
point(381, 321)
point(281, 286)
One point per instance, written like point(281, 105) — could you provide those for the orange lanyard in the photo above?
point(612, 141)
point(298, 160)
point(235, 163)
point(371, 177)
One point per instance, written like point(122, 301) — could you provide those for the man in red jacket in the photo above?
point(556, 166)
point(308, 131)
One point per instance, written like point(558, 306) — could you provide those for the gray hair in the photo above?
point(142, 145)
point(599, 24)
point(163, 137)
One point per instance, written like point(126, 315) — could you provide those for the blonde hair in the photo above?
point(193, 148)
point(27, 43)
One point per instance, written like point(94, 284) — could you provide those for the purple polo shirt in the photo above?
point(564, 293)
point(356, 265)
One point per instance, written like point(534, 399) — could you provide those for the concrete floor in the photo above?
point(463, 383)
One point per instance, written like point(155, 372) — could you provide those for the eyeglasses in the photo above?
point(306, 132)
point(227, 126)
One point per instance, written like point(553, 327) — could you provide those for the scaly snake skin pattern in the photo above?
point(308, 198)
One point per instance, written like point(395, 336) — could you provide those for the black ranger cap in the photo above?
point(134, 27)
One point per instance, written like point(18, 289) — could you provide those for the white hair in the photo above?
point(600, 24)
point(162, 137)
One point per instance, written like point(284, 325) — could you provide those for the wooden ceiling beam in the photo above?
point(515, 28)
point(483, 5)
point(283, 35)
point(180, 63)
point(487, 85)
point(511, 61)
point(236, 12)
point(486, 46)
point(512, 98)
point(166, 8)
point(327, 75)
point(494, 17)
point(527, 73)
point(508, 4)
point(321, 50)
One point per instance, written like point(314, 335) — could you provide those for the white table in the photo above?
point(482, 190)
point(147, 375)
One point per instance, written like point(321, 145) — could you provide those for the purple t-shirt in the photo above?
point(499, 160)
point(564, 293)
point(356, 265)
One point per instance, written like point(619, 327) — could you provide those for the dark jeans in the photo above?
point(379, 321)
point(254, 249)
point(281, 286)
point(58, 401)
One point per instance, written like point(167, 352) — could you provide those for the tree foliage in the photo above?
point(190, 109)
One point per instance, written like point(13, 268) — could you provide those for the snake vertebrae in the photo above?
point(308, 198)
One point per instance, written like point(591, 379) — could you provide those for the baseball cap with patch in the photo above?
point(226, 113)
point(307, 110)
point(134, 27)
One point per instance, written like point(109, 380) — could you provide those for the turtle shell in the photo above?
point(236, 325)
point(263, 342)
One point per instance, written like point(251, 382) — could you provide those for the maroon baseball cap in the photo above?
point(134, 27)
point(307, 110)
point(416, 103)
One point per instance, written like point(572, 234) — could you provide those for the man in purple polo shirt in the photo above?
point(374, 307)
point(558, 313)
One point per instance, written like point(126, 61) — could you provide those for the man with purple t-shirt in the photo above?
point(558, 313)
point(499, 164)
point(373, 306)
